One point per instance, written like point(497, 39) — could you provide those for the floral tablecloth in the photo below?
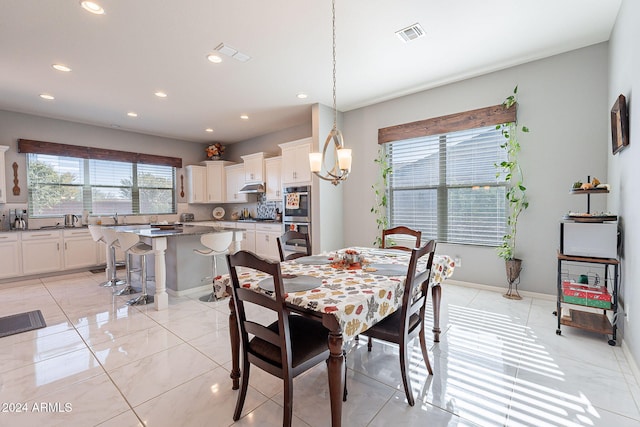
point(357, 297)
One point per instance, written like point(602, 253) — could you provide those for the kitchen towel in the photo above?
point(293, 201)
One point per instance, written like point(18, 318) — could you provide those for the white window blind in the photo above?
point(446, 186)
point(59, 185)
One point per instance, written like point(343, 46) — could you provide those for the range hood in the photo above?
point(252, 189)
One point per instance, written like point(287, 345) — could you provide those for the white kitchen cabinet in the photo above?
point(216, 184)
point(254, 168)
point(196, 184)
point(41, 251)
point(273, 178)
point(248, 242)
point(295, 161)
point(10, 255)
point(235, 182)
point(79, 249)
point(3, 184)
point(266, 240)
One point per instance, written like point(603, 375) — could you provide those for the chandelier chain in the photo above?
point(335, 109)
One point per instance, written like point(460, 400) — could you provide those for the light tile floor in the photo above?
point(100, 362)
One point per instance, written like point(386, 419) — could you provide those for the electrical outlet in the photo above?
point(458, 261)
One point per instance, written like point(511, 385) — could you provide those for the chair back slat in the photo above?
point(400, 230)
point(261, 331)
point(298, 238)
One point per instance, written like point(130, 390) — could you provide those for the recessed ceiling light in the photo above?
point(161, 94)
point(61, 67)
point(93, 7)
point(132, 114)
point(244, 117)
point(302, 95)
point(47, 96)
point(208, 130)
point(214, 58)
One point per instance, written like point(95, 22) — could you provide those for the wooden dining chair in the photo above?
point(296, 238)
point(387, 243)
point(285, 348)
point(408, 321)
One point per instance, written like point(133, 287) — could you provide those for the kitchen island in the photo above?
point(176, 266)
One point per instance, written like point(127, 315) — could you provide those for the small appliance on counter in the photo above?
point(187, 217)
point(18, 219)
point(70, 220)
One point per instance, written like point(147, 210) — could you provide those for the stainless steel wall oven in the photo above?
point(297, 204)
point(297, 212)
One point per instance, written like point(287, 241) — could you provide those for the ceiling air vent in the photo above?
point(412, 32)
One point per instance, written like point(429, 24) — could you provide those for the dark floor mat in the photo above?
point(23, 322)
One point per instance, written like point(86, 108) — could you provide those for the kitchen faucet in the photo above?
point(115, 218)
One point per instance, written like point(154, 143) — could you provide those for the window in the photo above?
point(59, 185)
point(443, 179)
point(445, 186)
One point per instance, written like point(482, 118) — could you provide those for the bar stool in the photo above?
point(134, 246)
point(127, 240)
point(96, 235)
point(111, 240)
point(218, 244)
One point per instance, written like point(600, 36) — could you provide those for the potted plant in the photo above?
point(380, 191)
point(516, 196)
point(214, 151)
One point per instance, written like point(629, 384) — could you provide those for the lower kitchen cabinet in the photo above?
point(266, 240)
point(10, 255)
point(248, 237)
point(41, 252)
point(79, 249)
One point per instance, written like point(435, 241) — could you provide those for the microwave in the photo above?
point(586, 239)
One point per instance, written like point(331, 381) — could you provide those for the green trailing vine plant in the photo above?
point(516, 191)
point(380, 191)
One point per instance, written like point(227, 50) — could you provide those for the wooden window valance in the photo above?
point(53, 148)
point(481, 117)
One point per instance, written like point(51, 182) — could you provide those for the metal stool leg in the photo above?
point(114, 281)
point(144, 298)
point(128, 290)
point(212, 296)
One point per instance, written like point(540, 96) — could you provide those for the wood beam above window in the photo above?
point(67, 150)
point(481, 117)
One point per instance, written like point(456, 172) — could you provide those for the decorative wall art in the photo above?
point(619, 125)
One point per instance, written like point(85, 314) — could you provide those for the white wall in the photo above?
point(14, 126)
point(563, 99)
point(624, 173)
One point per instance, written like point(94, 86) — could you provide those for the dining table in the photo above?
point(347, 297)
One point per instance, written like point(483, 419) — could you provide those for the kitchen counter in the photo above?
point(176, 265)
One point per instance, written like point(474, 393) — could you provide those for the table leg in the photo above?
point(161, 298)
point(335, 366)
point(234, 335)
point(436, 296)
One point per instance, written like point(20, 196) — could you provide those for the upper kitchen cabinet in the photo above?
point(196, 184)
point(235, 182)
point(3, 184)
point(295, 161)
point(273, 175)
point(216, 181)
point(254, 168)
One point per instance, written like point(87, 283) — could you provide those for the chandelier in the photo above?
point(340, 156)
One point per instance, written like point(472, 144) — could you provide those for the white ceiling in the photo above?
point(141, 46)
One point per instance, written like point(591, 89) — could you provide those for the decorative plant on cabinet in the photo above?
point(516, 196)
